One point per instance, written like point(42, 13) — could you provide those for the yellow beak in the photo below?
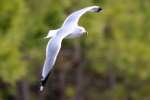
point(86, 33)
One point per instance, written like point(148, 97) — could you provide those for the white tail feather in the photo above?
point(51, 33)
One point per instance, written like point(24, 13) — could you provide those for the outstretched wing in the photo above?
point(75, 16)
point(52, 51)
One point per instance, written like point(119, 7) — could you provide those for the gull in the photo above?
point(69, 29)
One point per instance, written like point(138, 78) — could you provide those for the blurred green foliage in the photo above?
point(118, 44)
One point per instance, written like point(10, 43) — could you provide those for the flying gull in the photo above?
point(69, 29)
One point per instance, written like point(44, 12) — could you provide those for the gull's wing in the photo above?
point(75, 16)
point(52, 51)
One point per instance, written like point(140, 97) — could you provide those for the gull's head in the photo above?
point(82, 30)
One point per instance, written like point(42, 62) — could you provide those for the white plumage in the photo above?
point(69, 29)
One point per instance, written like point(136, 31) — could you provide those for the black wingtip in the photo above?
point(43, 82)
point(99, 9)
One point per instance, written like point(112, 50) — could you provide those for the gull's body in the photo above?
point(69, 29)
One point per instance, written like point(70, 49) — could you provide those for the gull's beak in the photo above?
point(86, 33)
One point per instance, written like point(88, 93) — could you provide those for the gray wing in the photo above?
point(75, 16)
point(52, 51)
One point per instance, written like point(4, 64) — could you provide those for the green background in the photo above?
point(111, 63)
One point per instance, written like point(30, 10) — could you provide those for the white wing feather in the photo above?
point(52, 51)
point(75, 16)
